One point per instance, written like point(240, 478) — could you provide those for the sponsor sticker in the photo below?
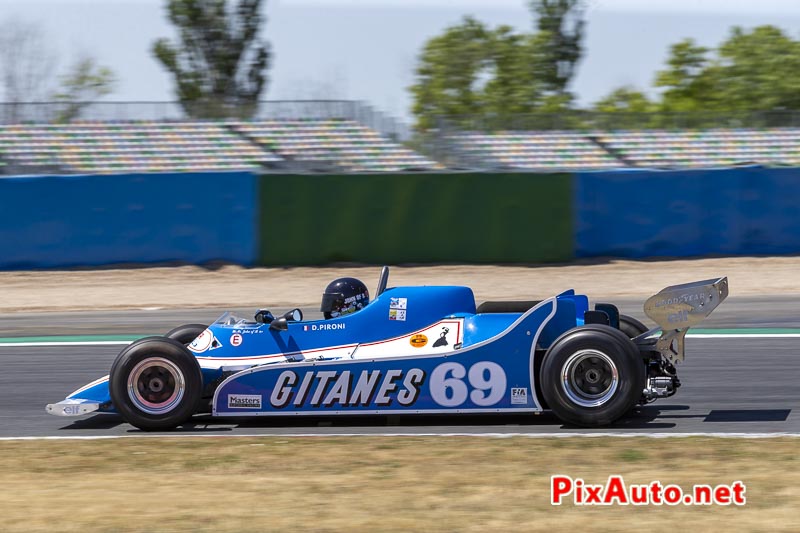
point(236, 339)
point(418, 341)
point(248, 330)
point(397, 314)
point(519, 396)
point(398, 303)
point(442, 340)
point(450, 384)
point(324, 327)
point(244, 401)
point(202, 342)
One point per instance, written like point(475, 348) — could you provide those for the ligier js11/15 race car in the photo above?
point(410, 350)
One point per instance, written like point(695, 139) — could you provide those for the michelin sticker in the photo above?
point(442, 340)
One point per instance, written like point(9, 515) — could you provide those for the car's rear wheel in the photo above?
point(156, 383)
point(631, 327)
point(187, 333)
point(592, 375)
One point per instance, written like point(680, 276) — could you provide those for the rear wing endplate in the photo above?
point(675, 309)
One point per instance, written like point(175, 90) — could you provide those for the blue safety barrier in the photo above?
point(61, 221)
point(737, 211)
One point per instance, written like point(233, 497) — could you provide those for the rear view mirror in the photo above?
point(279, 324)
point(295, 315)
point(282, 323)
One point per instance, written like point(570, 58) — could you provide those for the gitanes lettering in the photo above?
point(328, 388)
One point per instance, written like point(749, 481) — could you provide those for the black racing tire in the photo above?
point(592, 375)
point(186, 333)
point(631, 327)
point(156, 384)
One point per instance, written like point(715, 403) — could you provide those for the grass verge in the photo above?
point(382, 483)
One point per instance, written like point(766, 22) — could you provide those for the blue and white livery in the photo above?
point(410, 350)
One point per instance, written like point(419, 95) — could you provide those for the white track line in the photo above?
point(414, 435)
point(65, 343)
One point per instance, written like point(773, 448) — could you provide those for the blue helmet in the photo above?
point(344, 296)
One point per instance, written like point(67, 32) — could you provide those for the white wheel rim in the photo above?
point(156, 385)
point(589, 378)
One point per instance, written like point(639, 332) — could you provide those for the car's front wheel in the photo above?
point(592, 375)
point(156, 383)
point(187, 333)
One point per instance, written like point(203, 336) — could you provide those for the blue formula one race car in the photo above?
point(410, 350)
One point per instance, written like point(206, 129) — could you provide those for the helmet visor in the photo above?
point(332, 301)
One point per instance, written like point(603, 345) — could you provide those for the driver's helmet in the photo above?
point(344, 296)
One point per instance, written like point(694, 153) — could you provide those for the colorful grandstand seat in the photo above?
point(538, 151)
point(339, 143)
point(706, 148)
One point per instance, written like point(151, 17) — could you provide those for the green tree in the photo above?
point(560, 26)
point(84, 83)
point(759, 70)
point(219, 63)
point(689, 81)
point(512, 88)
point(630, 108)
point(625, 100)
point(471, 71)
point(449, 71)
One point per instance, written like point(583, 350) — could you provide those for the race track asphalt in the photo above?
point(730, 385)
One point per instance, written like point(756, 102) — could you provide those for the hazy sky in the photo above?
point(367, 49)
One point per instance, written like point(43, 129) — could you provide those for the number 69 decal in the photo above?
point(487, 379)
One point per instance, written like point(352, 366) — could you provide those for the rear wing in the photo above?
point(675, 309)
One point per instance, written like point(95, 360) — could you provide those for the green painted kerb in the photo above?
point(415, 218)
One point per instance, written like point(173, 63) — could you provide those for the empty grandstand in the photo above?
point(103, 148)
point(599, 150)
point(350, 137)
point(99, 147)
point(545, 151)
point(342, 144)
point(326, 136)
point(706, 148)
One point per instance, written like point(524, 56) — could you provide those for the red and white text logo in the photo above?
point(616, 492)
